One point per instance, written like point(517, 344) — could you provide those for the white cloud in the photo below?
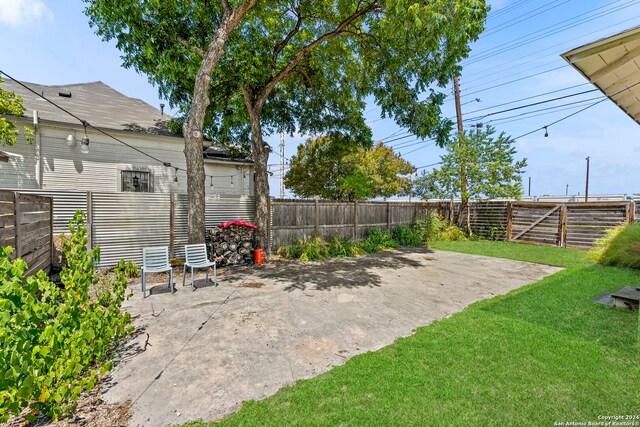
point(21, 13)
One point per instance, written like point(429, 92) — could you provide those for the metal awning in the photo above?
point(612, 64)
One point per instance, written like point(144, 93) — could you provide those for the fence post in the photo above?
point(316, 226)
point(16, 216)
point(388, 216)
point(509, 220)
point(171, 224)
point(89, 220)
point(562, 227)
point(355, 220)
point(631, 212)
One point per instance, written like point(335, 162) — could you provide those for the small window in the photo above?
point(136, 182)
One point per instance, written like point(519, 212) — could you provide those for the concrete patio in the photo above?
point(268, 326)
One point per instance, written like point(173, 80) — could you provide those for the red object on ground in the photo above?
point(237, 222)
point(258, 256)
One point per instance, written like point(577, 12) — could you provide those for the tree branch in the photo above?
point(292, 64)
point(226, 7)
point(293, 32)
point(193, 48)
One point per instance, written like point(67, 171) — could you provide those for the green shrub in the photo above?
point(620, 247)
point(344, 247)
point(451, 233)
point(128, 268)
point(308, 249)
point(378, 240)
point(54, 341)
point(405, 236)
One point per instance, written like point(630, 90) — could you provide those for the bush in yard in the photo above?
point(378, 240)
point(620, 247)
point(54, 341)
point(128, 268)
point(307, 249)
point(342, 247)
point(406, 236)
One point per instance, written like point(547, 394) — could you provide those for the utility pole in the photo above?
point(586, 189)
point(282, 163)
point(566, 191)
point(529, 192)
point(463, 164)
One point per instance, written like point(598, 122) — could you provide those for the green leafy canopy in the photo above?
point(11, 105)
point(339, 168)
point(393, 50)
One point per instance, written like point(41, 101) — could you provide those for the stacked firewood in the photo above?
point(232, 245)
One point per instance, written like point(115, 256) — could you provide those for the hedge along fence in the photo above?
point(26, 224)
point(295, 219)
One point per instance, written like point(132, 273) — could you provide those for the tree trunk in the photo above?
point(193, 126)
point(260, 158)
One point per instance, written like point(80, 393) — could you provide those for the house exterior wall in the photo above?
point(66, 168)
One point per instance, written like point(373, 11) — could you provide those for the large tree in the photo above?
point(338, 168)
point(307, 66)
point(492, 169)
point(177, 44)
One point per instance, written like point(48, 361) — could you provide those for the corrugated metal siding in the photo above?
point(124, 223)
point(180, 225)
point(225, 208)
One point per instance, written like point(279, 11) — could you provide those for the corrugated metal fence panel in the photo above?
point(124, 223)
point(65, 205)
point(180, 224)
point(226, 208)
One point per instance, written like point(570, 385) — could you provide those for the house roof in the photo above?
point(97, 103)
point(612, 64)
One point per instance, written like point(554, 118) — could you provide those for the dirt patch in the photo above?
point(255, 285)
point(91, 411)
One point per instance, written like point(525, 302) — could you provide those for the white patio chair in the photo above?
point(196, 257)
point(155, 260)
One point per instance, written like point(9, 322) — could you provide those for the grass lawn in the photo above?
point(540, 354)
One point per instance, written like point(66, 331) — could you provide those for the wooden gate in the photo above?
point(575, 225)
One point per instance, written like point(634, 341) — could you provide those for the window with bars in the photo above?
point(136, 181)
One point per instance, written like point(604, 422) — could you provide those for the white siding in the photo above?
point(66, 168)
point(20, 170)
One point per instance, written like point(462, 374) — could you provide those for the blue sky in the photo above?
point(50, 42)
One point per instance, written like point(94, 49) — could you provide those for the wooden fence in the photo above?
point(295, 219)
point(575, 225)
point(26, 224)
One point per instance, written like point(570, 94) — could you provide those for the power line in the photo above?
point(577, 112)
point(533, 104)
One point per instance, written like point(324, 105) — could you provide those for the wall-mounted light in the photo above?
point(211, 182)
point(71, 140)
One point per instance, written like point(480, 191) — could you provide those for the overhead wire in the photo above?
point(577, 112)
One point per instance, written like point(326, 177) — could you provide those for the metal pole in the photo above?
point(282, 164)
point(586, 189)
point(566, 191)
point(529, 193)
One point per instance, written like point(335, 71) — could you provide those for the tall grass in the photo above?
point(620, 247)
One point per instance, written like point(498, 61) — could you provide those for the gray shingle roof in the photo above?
point(97, 103)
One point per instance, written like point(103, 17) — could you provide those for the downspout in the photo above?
point(39, 164)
